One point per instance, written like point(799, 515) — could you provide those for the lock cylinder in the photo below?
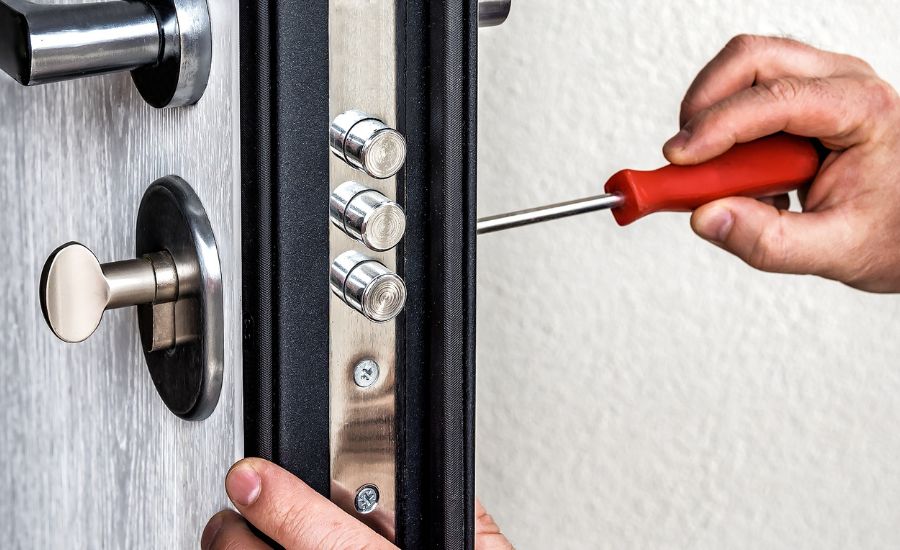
point(176, 285)
point(368, 286)
point(367, 216)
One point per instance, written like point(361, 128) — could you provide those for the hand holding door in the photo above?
point(281, 506)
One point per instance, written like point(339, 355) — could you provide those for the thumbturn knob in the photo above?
point(368, 286)
point(367, 216)
point(368, 144)
point(176, 284)
point(76, 289)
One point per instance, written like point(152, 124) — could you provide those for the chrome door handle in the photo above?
point(167, 44)
point(493, 12)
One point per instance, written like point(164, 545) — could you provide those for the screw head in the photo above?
point(365, 373)
point(366, 499)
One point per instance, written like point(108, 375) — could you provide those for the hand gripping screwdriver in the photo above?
point(763, 168)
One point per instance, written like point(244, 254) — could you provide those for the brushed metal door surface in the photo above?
point(89, 455)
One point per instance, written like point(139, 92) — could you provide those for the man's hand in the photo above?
point(298, 518)
point(849, 230)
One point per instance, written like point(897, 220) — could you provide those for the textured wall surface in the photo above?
point(89, 455)
point(639, 388)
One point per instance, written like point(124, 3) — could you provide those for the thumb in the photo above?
point(291, 513)
point(769, 239)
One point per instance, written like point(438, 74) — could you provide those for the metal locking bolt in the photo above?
point(367, 216)
point(368, 286)
point(368, 144)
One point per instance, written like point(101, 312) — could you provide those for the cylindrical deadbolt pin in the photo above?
point(367, 216)
point(368, 286)
point(368, 144)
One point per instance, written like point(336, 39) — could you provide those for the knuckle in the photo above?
point(687, 104)
point(821, 90)
point(752, 43)
point(705, 119)
point(882, 96)
point(695, 105)
point(744, 43)
point(781, 89)
point(856, 63)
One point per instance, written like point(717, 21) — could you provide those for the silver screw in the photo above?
point(366, 499)
point(365, 373)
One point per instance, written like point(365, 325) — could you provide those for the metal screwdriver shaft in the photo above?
point(546, 213)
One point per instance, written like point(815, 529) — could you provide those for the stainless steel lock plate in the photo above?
point(188, 374)
point(363, 101)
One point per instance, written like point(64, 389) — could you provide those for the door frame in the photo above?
point(285, 179)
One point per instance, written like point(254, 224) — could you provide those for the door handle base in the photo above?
point(188, 375)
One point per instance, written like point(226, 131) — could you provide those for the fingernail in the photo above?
point(243, 484)
point(211, 530)
point(679, 141)
point(715, 225)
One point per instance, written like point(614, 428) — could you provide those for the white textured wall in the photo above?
point(638, 388)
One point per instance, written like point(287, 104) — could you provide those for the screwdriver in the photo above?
point(766, 167)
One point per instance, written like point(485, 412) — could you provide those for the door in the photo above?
point(91, 456)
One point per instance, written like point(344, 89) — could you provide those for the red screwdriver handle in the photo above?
point(770, 166)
